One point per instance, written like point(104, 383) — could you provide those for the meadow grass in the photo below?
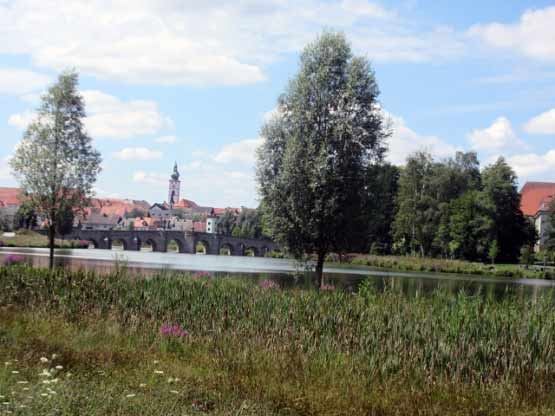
point(28, 238)
point(178, 344)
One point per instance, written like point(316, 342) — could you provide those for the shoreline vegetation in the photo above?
point(433, 265)
point(78, 343)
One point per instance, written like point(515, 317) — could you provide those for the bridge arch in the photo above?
point(227, 249)
point(148, 244)
point(251, 251)
point(202, 247)
point(118, 244)
point(175, 245)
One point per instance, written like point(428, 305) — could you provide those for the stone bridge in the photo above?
point(185, 242)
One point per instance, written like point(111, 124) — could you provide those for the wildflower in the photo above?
point(45, 373)
point(54, 356)
point(269, 284)
point(7, 363)
point(15, 372)
point(174, 391)
point(200, 275)
point(51, 391)
point(130, 396)
point(142, 385)
point(54, 380)
point(158, 372)
point(173, 331)
point(59, 367)
point(156, 362)
point(170, 380)
point(25, 389)
point(43, 360)
point(23, 382)
point(44, 395)
point(327, 288)
point(6, 403)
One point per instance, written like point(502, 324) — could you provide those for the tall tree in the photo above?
point(313, 165)
point(382, 186)
point(416, 221)
point(55, 162)
point(509, 230)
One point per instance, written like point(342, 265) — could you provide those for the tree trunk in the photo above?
point(320, 268)
point(51, 239)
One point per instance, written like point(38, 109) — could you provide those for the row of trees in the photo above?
point(324, 185)
point(452, 209)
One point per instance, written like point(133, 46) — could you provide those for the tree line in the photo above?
point(448, 208)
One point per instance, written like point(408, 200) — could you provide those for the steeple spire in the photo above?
point(175, 174)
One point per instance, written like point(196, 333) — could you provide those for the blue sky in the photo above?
point(183, 81)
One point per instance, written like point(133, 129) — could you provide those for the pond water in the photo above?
point(286, 272)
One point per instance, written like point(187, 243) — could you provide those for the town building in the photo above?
point(535, 203)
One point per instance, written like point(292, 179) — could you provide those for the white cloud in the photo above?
point(500, 136)
point(166, 140)
point(5, 170)
point(542, 124)
point(210, 43)
point(21, 120)
point(138, 153)
point(111, 118)
point(405, 141)
point(532, 36)
point(243, 151)
point(21, 82)
point(532, 164)
point(150, 178)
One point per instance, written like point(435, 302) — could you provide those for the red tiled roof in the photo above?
point(185, 203)
point(533, 194)
point(9, 196)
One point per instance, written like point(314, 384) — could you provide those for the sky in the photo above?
point(192, 82)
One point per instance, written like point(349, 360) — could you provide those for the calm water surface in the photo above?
point(284, 271)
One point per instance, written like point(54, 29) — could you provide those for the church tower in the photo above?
point(174, 187)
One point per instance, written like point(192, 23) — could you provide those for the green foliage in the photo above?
point(26, 216)
point(509, 228)
point(136, 213)
point(226, 222)
point(55, 162)
point(313, 165)
point(493, 251)
point(526, 255)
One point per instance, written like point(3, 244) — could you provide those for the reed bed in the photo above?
point(427, 264)
point(300, 351)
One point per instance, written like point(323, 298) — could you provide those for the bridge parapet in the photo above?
point(133, 240)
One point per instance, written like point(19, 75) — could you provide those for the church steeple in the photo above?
point(174, 187)
point(175, 174)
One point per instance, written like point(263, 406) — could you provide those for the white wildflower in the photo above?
point(174, 391)
point(44, 395)
point(45, 373)
point(130, 396)
point(15, 372)
point(23, 382)
point(59, 367)
point(142, 385)
point(25, 389)
point(158, 372)
point(54, 356)
point(156, 362)
point(43, 360)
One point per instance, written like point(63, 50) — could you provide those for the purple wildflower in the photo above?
point(269, 284)
point(200, 275)
point(173, 331)
point(14, 259)
point(327, 288)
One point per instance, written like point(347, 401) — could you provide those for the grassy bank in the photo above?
point(424, 264)
point(78, 344)
point(28, 238)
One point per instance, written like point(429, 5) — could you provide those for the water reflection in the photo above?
point(286, 273)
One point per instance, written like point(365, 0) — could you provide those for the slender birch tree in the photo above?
point(55, 162)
